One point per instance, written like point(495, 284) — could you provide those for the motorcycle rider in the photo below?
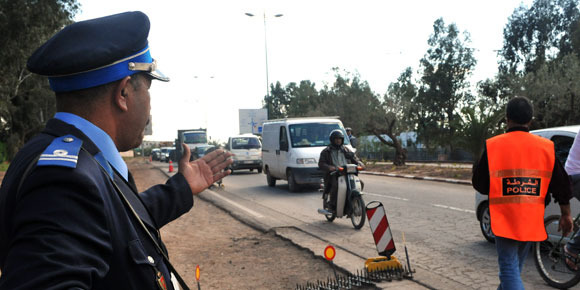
point(353, 140)
point(333, 156)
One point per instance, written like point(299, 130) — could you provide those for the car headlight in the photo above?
point(305, 161)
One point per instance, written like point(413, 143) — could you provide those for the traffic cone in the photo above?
point(150, 158)
point(170, 166)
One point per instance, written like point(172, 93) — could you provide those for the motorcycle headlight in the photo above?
point(305, 161)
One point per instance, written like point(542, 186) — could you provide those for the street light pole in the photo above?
point(266, 50)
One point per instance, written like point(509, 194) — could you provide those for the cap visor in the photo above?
point(158, 75)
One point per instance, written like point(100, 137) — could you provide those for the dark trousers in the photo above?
point(331, 187)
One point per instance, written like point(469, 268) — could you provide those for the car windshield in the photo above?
point(246, 143)
point(313, 134)
point(194, 137)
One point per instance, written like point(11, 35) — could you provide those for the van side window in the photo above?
point(283, 139)
point(562, 146)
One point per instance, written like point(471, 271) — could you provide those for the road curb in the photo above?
point(438, 179)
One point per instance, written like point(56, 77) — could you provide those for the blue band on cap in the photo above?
point(99, 76)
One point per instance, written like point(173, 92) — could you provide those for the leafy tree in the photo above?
point(350, 98)
point(480, 122)
point(303, 99)
point(26, 102)
point(276, 102)
point(390, 117)
point(444, 85)
point(538, 34)
point(554, 90)
point(217, 143)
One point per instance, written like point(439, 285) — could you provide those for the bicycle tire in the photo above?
point(552, 268)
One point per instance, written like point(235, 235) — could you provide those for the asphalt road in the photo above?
point(442, 234)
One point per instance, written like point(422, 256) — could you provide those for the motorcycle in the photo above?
point(349, 201)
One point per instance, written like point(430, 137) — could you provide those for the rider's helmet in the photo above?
point(337, 133)
point(348, 131)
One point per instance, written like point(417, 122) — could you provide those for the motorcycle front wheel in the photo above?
point(357, 215)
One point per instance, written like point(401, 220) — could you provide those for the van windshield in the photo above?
point(313, 134)
point(246, 143)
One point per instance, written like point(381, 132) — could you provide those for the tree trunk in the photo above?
point(572, 116)
point(400, 152)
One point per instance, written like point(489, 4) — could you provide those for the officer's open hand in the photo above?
point(203, 172)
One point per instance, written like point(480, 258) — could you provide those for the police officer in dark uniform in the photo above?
point(70, 213)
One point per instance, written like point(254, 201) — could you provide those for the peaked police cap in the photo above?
point(94, 52)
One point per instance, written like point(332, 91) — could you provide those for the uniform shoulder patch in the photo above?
point(63, 151)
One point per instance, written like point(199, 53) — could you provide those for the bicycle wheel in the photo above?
point(549, 258)
point(357, 216)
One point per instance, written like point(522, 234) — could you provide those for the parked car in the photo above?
point(172, 155)
point(200, 151)
point(155, 154)
point(165, 154)
point(563, 137)
point(248, 152)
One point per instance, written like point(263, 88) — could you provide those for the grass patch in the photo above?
point(4, 166)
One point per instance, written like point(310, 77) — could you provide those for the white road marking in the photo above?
point(435, 205)
point(386, 196)
point(453, 208)
point(257, 215)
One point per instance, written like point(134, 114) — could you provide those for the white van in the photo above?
point(248, 152)
point(291, 148)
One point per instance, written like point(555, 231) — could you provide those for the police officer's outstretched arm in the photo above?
point(203, 172)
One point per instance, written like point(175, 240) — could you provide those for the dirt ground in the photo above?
point(230, 254)
point(422, 170)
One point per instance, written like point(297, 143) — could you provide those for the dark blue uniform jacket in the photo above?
point(67, 228)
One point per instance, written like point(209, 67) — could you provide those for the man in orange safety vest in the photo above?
point(517, 170)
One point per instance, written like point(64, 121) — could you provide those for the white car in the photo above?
point(563, 137)
point(164, 156)
point(247, 150)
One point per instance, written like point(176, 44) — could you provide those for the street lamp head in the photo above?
point(250, 14)
point(278, 15)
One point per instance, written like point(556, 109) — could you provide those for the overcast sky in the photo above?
point(215, 56)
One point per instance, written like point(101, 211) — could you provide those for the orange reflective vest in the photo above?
point(520, 170)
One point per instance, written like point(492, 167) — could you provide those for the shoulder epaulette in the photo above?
point(63, 151)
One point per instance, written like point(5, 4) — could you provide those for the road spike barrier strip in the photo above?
point(360, 279)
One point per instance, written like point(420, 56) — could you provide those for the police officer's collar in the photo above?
point(518, 128)
point(99, 138)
